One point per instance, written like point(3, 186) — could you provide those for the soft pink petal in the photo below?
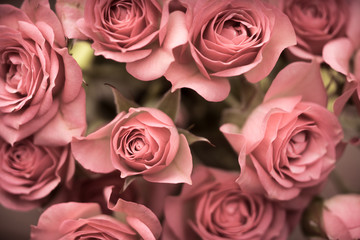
point(353, 29)
point(282, 36)
point(337, 53)
point(233, 136)
point(50, 221)
point(179, 171)
point(295, 80)
point(155, 65)
point(345, 207)
point(151, 67)
point(93, 151)
point(39, 11)
point(69, 11)
point(344, 97)
point(142, 214)
point(188, 76)
point(69, 122)
point(12, 135)
point(334, 227)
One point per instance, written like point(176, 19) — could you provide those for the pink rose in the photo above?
point(287, 146)
point(215, 207)
point(143, 142)
point(73, 220)
point(121, 30)
point(341, 217)
point(315, 24)
point(29, 173)
point(225, 39)
point(40, 83)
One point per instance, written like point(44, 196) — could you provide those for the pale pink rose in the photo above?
point(288, 145)
point(143, 141)
point(315, 23)
point(341, 217)
point(121, 30)
point(73, 220)
point(216, 208)
point(343, 55)
point(40, 83)
point(29, 173)
point(225, 39)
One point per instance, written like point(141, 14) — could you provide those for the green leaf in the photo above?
point(192, 138)
point(121, 102)
point(169, 103)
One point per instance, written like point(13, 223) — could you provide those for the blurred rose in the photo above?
point(341, 217)
point(215, 207)
point(343, 55)
point(40, 83)
point(143, 142)
point(73, 220)
point(29, 173)
point(315, 23)
point(225, 39)
point(290, 139)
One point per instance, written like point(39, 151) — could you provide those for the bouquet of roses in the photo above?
point(179, 119)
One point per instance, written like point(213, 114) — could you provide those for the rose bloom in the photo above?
point(73, 220)
point(225, 39)
point(288, 145)
point(215, 207)
point(341, 217)
point(143, 141)
point(120, 30)
point(315, 23)
point(29, 173)
point(40, 83)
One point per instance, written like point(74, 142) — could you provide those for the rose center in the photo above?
point(121, 11)
point(297, 145)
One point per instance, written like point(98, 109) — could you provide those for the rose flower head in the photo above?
point(316, 23)
point(40, 83)
point(143, 141)
point(226, 39)
point(74, 220)
point(215, 207)
point(29, 173)
point(288, 145)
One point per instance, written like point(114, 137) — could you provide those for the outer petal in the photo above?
point(93, 151)
point(295, 80)
point(69, 122)
point(50, 221)
point(155, 65)
point(282, 36)
point(69, 11)
point(188, 76)
point(139, 217)
point(353, 30)
point(179, 171)
point(233, 136)
point(39, 11)
point(338, 53)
